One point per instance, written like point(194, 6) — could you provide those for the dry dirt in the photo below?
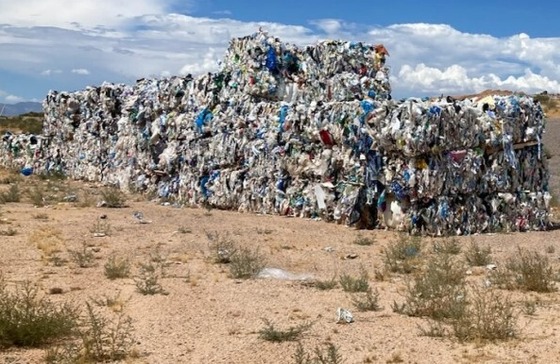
point(209, 317)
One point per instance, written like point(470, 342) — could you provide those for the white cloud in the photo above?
point(223, 12)
point(112, 41)
point(80, 71)
point(50, 72)
point(72, 14)
point(13, 99)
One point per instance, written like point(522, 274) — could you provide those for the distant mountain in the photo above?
point(20, 108)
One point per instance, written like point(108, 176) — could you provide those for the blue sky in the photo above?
point(450, 47)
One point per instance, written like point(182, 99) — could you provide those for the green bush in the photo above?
point(104, 339)
point(26, 319)
point(147, 282)
point(531, 271)
point(222, 247)
point(438, 292)
point(246, 263)
point(368, 301)
point(477, 256)
point(447, 246)
point(270, 333)
point(355, 284)
point(12, 195)
point(490, 316)
point(402, 255)
point(117, 267)
point(328, 354)
point(113, 198)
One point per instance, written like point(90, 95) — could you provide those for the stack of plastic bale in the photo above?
point(22, 151)
point(262, 66)
point(309, 132)
point(463, 167)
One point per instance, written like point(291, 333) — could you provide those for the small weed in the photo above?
point(116, 303)
point(184, 230)
point(270, 333)
point(433, 329)
point(264, 231)
point(48, 240)
point(364, 241)
point(105, 340)
point(368, 301)
point(402, 255)
point(147, 281)
point(37, 196)
point(550, 249)
point(328, 354)
point(477, 256)
point(8, 232)
point(56, 260)
point(117, 267)
point(100, 228)
point(439, 292)
point(113, 198)
point(489, 317)
point(12, 195)
point(529, 307)
point(324, 285)
point(447, 246)
point(85, 199)
point(84, 257)
point(41, 216)
point(532, 271)
point(222, 247)
point(246, 263)
point(395, 358)
point(355, 284)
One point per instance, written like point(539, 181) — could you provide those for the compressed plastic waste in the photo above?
point(303, 131)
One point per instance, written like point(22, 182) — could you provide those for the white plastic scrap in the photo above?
point(344, 316)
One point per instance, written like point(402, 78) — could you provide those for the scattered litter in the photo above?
point(344, 316)
point(277, 273)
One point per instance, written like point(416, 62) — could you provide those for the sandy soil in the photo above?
point(209, 317)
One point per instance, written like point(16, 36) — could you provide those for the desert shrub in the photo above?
point(327, 354)
point(355, 284)
point(402, 255)
point(104, 339)
point(147, 281)
point(433, 328)
point(37, 196)
point(531, 271)
point(26, 319)
point(12, 195)
point(113, 198)
point(84, 257)
point(246, 263)
point(438, 292)
point(324, 285)
point(364, 241)
point(222, 247)
point(490, 316)
point(477, 256)
point(8, 232)
point(117, 267)
point(367, 301)
point(293, 333)
point(447, 246)
point(100, 228)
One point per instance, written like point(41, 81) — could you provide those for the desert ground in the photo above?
point(204, 315)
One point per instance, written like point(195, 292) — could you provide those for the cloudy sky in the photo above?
point(449, 47)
